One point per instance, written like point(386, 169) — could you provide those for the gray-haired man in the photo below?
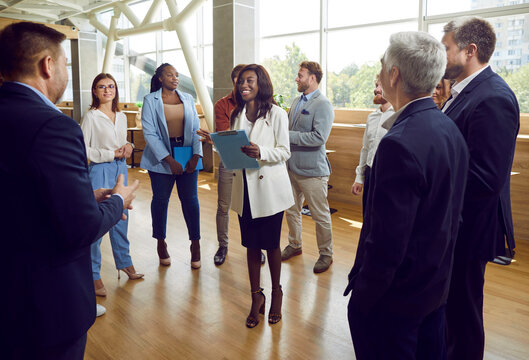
point(401, 275)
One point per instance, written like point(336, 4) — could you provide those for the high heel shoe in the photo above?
point(195, 254)
point(252, 321)
point(100, 288)
point(274, 318)
point(165, 259)
point(131, 273)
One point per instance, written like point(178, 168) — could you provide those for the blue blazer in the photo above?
point(487, 114)
point(404, 256)
point(49, 219)
point(157, 136)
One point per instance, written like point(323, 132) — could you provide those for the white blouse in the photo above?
point(101, 136)
point(373, 133)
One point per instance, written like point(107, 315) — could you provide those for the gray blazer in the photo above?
point(309, 132)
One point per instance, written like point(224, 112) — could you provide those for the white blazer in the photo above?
point(269, 189)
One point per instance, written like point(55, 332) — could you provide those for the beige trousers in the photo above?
point(314, 191)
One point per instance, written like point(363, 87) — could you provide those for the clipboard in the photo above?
point(182, 154)
point(228, 144)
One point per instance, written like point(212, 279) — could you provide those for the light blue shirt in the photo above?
point(41, 95)
point(302, 101)
point(53, 106)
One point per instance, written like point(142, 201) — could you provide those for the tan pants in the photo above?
point(314, 191)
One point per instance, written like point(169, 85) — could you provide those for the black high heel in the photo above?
point(165, 259)
point(195, 254)
point(274, 318)
point(252, 322)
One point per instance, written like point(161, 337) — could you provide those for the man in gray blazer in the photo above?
point(310, 118)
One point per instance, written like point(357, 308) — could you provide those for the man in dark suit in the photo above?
point(401, 275)
point(486, 112)
point(50, 215)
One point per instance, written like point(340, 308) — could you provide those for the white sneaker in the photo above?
point(100, 310)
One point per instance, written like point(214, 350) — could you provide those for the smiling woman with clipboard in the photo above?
point(260, 195)
point(170, 122)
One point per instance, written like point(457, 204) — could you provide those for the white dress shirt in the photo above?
point(101, 136)
point(458, 87)
point(373, 133)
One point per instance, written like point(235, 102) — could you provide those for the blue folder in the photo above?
point(228, 144)
point(182, 154)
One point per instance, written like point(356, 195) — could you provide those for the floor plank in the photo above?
point(179, 313)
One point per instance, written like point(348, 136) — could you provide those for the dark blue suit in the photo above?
point(401, 274)
point(487, 114)
point(49, 219)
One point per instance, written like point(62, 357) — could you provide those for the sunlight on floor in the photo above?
point(353, 223)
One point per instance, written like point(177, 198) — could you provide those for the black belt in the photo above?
point(304, 148)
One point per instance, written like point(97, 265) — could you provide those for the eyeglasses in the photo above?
point(103, 87)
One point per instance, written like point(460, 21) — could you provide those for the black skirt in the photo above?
point(260, 233)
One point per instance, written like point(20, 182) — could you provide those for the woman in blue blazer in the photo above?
point(169, 120)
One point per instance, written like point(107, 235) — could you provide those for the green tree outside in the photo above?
point(518, 81)
point(352, 87)
point(283, 72)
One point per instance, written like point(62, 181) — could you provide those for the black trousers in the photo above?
point(464, 309)
point(382, 336)
point(72, 350)
point(367, 172)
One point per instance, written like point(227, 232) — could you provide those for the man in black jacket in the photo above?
point(401, 275)
point(486, 112)
point(50, 215)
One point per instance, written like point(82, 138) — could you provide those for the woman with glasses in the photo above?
point(105, 135)
point(170, 121)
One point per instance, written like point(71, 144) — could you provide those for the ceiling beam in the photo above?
point(10, 4)
point(67, 4)
point(71, 32)
point(27, 17)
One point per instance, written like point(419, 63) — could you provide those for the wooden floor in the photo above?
point(179, 313)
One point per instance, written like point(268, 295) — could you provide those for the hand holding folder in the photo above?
point(183, 154)
point(228, 144)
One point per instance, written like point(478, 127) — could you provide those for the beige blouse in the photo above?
point(174, 115)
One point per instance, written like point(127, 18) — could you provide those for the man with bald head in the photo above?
point(50, 215)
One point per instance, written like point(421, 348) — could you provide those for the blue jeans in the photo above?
point(186, 185)
point(105, 175)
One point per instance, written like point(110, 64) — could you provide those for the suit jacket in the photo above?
point(49, 219)
point(308, 134)
point(487, 114)
point(404, 256)
point(269, 189)
point(156, 134)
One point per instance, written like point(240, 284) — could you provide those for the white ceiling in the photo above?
point(49, 11)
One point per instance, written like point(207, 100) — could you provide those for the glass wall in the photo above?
point(511, 56)
point(348, 38)
point(138, 56)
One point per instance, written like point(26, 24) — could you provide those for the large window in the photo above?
point(344, 13)
point(349, 37)
point(142, 54)
point(351, 69)
point(511, 56)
